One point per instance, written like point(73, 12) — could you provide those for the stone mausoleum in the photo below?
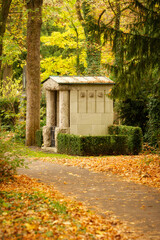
point(77, 105)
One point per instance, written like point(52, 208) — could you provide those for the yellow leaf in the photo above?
point(100, 232)
point(29, 226)
point(4, 213)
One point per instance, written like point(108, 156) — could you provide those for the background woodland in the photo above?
point(118, 39)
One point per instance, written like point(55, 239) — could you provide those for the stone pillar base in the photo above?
point(46, 136)
point(60, 130)
point(50, 149)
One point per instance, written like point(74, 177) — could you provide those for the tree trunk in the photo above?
point(4, 10)
point(33, 69)
point(117, 28)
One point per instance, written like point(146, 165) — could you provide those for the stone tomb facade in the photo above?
point(77, 105)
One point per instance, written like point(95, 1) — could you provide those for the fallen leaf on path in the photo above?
point(32, 210)
point(141, 168)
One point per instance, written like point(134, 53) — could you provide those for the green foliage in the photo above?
point(153, 131)
point(134, 135)
point(92, 29)
point(18, 66)
point(91, 145)
point(11, 88)
point(14, 40)
point(20, 127)
point(133, 112)
point(8, 111)
point(139, 50)
point(10, 94)
point(104, 145)
point(39, 138)
point(20, 130)
point(69, 144)
point(142, 108)
point(152, 136)
point(9, 161)
point(43, 110)
point(61, 50)
point(20, 149)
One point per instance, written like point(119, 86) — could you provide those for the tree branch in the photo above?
point(111, 7)
point(78, 10)
point(100, 16)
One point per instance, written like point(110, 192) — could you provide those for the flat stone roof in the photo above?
point(65, 80)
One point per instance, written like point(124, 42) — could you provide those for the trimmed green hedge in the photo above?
point(69, 144)
point(134, 134)
point(39, 138)
point(92, 145)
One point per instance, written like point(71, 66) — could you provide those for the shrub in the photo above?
point(39, 138)
point(8, 111)
point(152, 135)
point(10, 93)
point(91, 145)
point(134, 112)
point(43, 110)
point(134, 135)
point(69, 144)
point(20, 127)
point(104, 145)
point(9, 162)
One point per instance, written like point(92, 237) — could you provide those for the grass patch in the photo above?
point(36, 153)
point(21, 150)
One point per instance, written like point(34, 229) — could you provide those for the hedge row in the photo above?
point(122, 140)
point(92, 145)
point(134, 134)
point(39, 138)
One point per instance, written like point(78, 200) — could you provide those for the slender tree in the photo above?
point(33, 69)
point(4, 11)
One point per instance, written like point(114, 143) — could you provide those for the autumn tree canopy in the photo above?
point(115, 38)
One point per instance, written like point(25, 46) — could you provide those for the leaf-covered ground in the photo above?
point(142, 168)
point(32, 210)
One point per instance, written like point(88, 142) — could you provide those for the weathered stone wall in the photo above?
point(91, 111)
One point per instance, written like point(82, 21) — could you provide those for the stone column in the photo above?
point(50, 108)
point(63, 109)
point(46, 136)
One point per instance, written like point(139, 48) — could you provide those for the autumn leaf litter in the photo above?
point(144, 169)
point(32, 210)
